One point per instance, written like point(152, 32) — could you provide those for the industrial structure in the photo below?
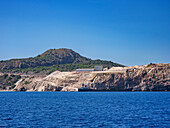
point(96, 68)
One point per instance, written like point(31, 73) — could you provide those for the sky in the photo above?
point(129, 32)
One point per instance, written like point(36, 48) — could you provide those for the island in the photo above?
point(65, 70)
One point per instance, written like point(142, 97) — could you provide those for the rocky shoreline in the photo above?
point(151, 77)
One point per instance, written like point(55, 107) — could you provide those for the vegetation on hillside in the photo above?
point(8, 81)
point(51, 60)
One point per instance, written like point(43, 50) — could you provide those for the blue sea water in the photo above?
point(84, 109)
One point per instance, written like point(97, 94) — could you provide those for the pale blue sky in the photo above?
point(130, 32)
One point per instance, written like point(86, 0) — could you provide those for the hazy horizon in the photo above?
point(126, 32)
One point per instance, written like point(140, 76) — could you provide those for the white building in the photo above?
point(96, 68)
point(85, 70)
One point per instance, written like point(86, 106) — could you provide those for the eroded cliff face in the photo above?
point(57, 81)
point(152, 77)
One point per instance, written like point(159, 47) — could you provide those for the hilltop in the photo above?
point(53, 59)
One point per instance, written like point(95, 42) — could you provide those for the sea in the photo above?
point(84, 109)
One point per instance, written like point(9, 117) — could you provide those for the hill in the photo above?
point(51, 60)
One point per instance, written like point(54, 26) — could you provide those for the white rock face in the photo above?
point(116, 68)
point(152, 77)
point(61, 81)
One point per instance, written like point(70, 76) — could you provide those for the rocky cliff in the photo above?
point(152, 77)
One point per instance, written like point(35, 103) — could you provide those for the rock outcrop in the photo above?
point(152, 77)
point(57, 81)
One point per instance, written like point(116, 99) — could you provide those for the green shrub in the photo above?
point(12, 75)
point(5, 76)
point(26, 82)
point(18, 76)
point(3, 87)
point(12, 86)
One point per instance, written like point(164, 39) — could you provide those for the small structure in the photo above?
point(98, 68)
point(85, 70)
point(87, 86)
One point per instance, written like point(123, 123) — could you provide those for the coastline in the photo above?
point(151, 77)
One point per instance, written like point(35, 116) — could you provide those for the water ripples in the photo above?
point(89, 109)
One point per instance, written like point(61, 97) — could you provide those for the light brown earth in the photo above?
point(152, 77)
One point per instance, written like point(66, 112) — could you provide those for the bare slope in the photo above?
point(152, 77)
